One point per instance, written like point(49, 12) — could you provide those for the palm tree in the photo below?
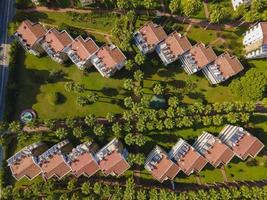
point(128, 115)
point(116, 128)
point(129, 139)
point(173, 101)
point(170, 112)
point(61, 133)
point(168, 123)
point(99, 129)
point(139, 59)
point(128, 84)
point(158, 89)
point(141, 195)
point(92, 97)
point(110, 117)
point(129, 192)
point(138, 75)
point(69, 86)
point(86, 187)
point(128, 102)
point(78, 132)
point(14, 127)
point(72, 185)
point(79, 88)
point(97, 188)
point(90, 120)
point(129, 65)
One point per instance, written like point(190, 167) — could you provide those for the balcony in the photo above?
point(165, 54)
point(141, 43)
point(76, 59)
point(213, 74)
point(101, 67)
point(55, 56)
point(189, 64)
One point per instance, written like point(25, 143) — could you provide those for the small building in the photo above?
point(108, 59)
point(255, 41)
point(241, 142)
point(82, 160)
point(224, 67)
point(112, 158)
point(172, 47)
point(148, 37)
point(80, 51)
point(187, 158)
point(213, 149)
point(56, 44)
point(160, 166)
point(197, 58)
point(30, 35)
point(87, 2)
point(54, 161)
point(237, 3)
point(24, 163)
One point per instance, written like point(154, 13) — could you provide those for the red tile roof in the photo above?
point(55, 165)
point(152, 33)
point(25, 167)
point(248, 145)
point(111, 56)
point(58, 40)
point(192, 161)
point(113, 163)
point(84, 48)
point(203, 55)
point(31, 32)
point(178, 44)
point(228, 65)
point(165, 169)
point(218, 154)
point(84, 164)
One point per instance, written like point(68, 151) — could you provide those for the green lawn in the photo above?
point(34, 89)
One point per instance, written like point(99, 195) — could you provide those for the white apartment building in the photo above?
point(237, 3)
point(255, 41)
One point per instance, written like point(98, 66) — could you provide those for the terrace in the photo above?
point(160, 166)
point(112, 158)
point(56, 44)
point(213, 149)
point(54, 162)
point(24, 162)
point(82, 161)
point(222, 68)
point(187, 158)
point(197, 58)
point(29, 35)
point(108, 59)
point(174, 46)
point(148, 37)
point(242, 143)
point(80, 51)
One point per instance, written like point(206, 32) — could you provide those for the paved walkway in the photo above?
point(224, 174)
point(182, 19)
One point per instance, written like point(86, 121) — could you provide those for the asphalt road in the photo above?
point(7, 11)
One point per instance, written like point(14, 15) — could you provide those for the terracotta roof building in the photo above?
point(54, 161)
point(56, 44)
point(80, 51)
point(172, 47)
point(160, 166)
point(242, 143)
point(255, 41)
point(24, 163)
point(213, 149)
point(187, 158)
point(108, 59)
point(148, 37)
point(82, 161)
point(197, 58)
point(30, 35)
point(112, 158)
point(222, 68)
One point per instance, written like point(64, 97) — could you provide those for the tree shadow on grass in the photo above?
point(109, 91)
